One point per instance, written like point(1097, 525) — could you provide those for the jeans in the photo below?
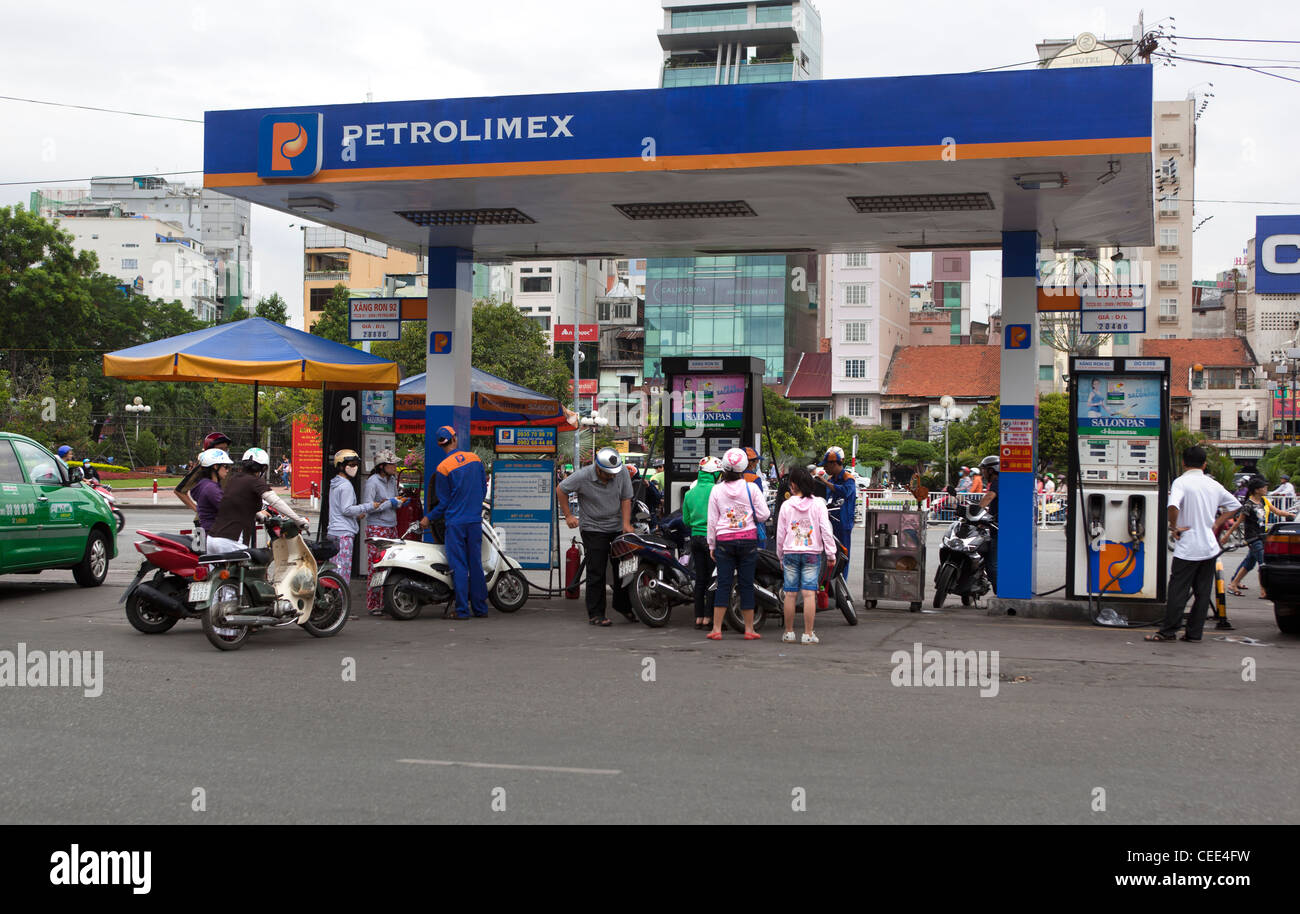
point(598, 562)
point(736, 559)
point(703, 563)
point(1254, 556)
point(991, 562)
point(1197, 579)
point(800, 571)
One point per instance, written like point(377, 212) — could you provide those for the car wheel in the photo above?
point(93, 567)
point(1287, 616)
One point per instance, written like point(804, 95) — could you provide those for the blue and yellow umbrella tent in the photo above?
point(494, 402)
point(253, 351)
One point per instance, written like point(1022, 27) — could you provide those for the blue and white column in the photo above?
point(447, 362)
point(1017, 532)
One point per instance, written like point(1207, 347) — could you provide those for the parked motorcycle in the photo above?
point(656, 569)
point(963, 557)
point(245, 591)
point(154, 606)
point(105, 491)
point(412, 573)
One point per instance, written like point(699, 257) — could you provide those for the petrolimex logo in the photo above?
point(289, 145)
point(1277, 254)
point(1016, 336)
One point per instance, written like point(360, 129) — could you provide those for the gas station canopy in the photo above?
point(890, 164)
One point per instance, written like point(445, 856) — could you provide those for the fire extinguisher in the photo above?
point(572, 560)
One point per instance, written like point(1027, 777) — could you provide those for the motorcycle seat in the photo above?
point(256, 556)
point(176, 538)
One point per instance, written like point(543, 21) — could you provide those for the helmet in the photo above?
point(836, 452)
point(1050, 476)
point(215, 439)
point(658, 462)
point(632, 470)
point(608, 459)
point(385, 457)
point(214, 456)
point(710, 465)
point(257, 455)
point(63, 451)
point(992, 462)
point(341, 456)
point(735, 460)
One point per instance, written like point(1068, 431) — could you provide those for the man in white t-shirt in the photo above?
point(1285, 489)
point(1196, 513)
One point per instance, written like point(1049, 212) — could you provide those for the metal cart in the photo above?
point(894, 567)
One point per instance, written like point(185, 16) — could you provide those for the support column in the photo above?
point(447, 360)
point(1017, 532)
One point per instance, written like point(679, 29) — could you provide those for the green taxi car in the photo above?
point(48, 519)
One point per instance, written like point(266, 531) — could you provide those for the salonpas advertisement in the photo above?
point(1118, 405)
point(708, 401)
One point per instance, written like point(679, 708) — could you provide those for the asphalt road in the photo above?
point(561, 722)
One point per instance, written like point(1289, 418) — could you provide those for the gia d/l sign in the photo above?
point(1277, 254)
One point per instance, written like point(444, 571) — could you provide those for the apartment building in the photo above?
point(865, 309)
point(367, 267)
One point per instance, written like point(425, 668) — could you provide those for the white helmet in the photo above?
point(608, 460)
point(710, 465)
point(257, 455)
point(837, 451)
point(214, 456)
point(735, 460)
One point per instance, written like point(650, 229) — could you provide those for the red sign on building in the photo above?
point(586, 386)
point(587, 333)
point(305, 461)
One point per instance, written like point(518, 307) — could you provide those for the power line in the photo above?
point(1220, 63)
point(161, 117)
point(138, 174)
point(1242, 40)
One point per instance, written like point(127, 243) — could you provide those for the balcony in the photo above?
point(1169, 284)
point(1168, 249)
point(1171, 147)
point(1169, 213)
point(1169, 318)
point(325, 276)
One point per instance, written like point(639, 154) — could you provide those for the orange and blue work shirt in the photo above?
point(460, 482)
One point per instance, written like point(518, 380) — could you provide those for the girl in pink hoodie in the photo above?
point(736, 508)
point(803, 535)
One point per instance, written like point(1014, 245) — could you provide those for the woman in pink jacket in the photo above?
point(736, 508)
point(803, 535)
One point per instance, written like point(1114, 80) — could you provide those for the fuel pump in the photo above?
point(1120, 473)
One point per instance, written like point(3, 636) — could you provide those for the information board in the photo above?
point(305, 460)
point(523, 509)
point(524, 439)
point(374, 319)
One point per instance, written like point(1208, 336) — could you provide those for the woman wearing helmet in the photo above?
point(736, 508)
point(183, 488)
point(989, 467)
point(604, 493)
point(1255, 510)
point(381, 486)
point(214, 466)
point(695, 514)
point(246, 492)
point(344, 509)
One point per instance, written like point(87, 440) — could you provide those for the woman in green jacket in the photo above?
point(695, 514)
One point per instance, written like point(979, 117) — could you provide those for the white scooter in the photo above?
point(412, 573)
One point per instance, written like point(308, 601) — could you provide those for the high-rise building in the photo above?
point(754, 305)
point(865, 299)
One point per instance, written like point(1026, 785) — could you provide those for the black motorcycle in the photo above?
point(963, 558)
point(654, 565)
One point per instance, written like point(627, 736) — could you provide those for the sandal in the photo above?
point(714, 636)
point(1235, 592)
point(753, 636)
point(1159, 636)
point(603, 623)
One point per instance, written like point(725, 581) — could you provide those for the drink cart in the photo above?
point(894, 557)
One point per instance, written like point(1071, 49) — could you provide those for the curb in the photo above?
point(1061, 610)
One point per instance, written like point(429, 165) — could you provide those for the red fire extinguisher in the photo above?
point(572, 559)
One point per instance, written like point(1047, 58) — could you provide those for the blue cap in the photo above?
point(64, 450)
point(445, 433)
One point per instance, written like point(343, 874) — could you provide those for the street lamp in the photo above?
point(1289, 415)
point(946, 413)
point(137, 406)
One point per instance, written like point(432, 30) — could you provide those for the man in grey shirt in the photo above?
point(604, 492)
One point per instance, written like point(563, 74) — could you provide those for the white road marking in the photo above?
point(425, 761)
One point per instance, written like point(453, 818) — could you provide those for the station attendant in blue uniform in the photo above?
point(461, 485)
point(843, 485)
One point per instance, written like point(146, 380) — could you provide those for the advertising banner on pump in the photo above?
point(1118, 405)
point(708, 401)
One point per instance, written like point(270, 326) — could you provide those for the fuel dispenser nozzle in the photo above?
point(1136, 518)
point(1096, 522)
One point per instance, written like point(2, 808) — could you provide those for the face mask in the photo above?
point(351, 470)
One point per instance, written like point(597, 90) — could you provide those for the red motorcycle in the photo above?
point(155, 605)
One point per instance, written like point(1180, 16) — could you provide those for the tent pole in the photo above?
point(255, 386)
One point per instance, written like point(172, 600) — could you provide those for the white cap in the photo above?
point(710, 465)
point(735, 460)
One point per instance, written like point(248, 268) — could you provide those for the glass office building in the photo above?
point(733, 305)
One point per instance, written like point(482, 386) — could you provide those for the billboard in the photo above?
point(1277, 254)
point(1120, 405)
point(708, 401)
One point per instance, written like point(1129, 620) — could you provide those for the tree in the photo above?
point(145, 449)
point(1053, 433)
point(273, 308)
point(333, 321)
point(409, 351)
point(791, 439)
point(239, 314)
point(510, 345)
point(915, 455)
point(1068, 274)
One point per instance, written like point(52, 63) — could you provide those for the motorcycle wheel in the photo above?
point(943, 583)
point(121, 519)
point(736, 622)
point(147, 618)
point(329, 611)
point(650, 607)
point(402, 605)
point(510, 592)
point(842, 597)
point(227, 639)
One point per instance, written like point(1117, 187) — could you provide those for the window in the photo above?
point(859, 408)
point(857, 259)
point(602, 311)
point(811, 416)
point(1168, 272)
point(317, 298)
point(130, 263)
point(1169, 309)
point(856, 331)
point(704, 18)
point(927, 330)
point(896, 421)
point(543, 322)
point(535, 284)
point(622, 310)
point(620, 266)
point(1168, 237)
point(951, 264)
point(543, 269)
point(41, 467)
point(1248, 423)
point(855, 368)
point(129, 244)
point(9, 471)
point(1046, 372)
point(779, 13)
point(525, 269)
point(1210, 423)
point(1169, 203)
point(857, 293)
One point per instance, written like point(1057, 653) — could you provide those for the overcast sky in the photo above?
point(181, 59)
